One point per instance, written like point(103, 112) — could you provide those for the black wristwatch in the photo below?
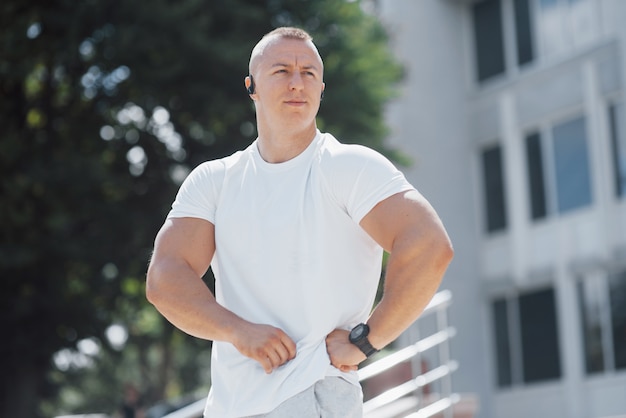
point(358, 337)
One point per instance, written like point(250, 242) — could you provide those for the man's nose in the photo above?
point(296, 83)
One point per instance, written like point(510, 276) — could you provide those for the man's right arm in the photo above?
point(183, 250)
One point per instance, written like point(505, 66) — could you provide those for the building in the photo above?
point(513, 112)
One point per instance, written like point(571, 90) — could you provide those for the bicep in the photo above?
point(186, 240)
point(407, 216)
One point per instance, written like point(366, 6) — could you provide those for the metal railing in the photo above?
point(422, 407)
point(442, 373)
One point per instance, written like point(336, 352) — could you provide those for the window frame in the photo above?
point(545, 131)
point(487, 183)
point(560, 208)
point(480, 76)
point(617, 137)
point(515, 343)
point(607, 338)
point(510, 31)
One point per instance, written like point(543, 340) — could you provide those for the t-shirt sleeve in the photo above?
point(363, 178)
point(197, 196)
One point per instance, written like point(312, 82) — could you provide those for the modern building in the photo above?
point(513, 112)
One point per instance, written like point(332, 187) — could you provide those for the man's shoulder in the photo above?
point(338, 155)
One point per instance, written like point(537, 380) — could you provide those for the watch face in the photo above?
point(357, 332)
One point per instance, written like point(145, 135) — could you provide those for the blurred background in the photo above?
point(508, 115)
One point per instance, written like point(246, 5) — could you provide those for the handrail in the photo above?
point(405, 354)
point(409, 386)
point(436, 407)
point(439, 304)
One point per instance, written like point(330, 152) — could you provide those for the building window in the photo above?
point(536, 181)
point(590, 296)
point(571, 165)
point(526, 337)
point(565, 184)
point(602, 301)
point(539, 336)
point(493, 180)
point(503, 344)
point(489, 35)
point(488, 38)
point(565, 25)
point(618, 140)
point(523, 32)
point(617, 301)
point(551, 26)
point(543, 28)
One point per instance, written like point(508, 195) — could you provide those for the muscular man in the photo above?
point(294, 228)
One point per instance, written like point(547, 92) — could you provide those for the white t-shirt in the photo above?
point(289, 253)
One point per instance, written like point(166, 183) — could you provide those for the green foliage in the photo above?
point(104, 107)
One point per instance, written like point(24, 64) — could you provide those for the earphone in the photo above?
point(250, 88)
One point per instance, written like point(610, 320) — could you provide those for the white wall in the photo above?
point(429, 123)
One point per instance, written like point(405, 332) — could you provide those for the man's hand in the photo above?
point(343, 354)
point(268, 345)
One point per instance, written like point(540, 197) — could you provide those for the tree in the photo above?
point(105, 106)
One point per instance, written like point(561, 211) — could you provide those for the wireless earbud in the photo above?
point(322, 96)
point(250, 88)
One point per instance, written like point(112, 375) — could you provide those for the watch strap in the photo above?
point(360, 339)
point(365, 346)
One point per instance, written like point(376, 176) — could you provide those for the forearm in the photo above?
point(413, 275)
point(181, 296)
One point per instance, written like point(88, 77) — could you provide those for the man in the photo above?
point(294, 228)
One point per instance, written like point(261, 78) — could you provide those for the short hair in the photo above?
point(287, 32)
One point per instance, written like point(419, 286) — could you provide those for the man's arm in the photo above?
point(407, 227)
point(183, 250)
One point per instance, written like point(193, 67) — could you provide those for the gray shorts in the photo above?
point(332, 397)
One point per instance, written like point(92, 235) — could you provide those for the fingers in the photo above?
point(290, 346)
point(268, 345)
point(344, 355)
point(278, 351)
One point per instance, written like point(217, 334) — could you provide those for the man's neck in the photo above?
point(280, 147)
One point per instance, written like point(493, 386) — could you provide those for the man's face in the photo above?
point(288, 84)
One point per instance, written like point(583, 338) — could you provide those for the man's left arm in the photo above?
point(407, 227)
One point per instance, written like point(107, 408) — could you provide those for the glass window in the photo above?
point(618, 139)
point(493, 181)
point(602, 301)
point(488, 38)
point(539, 334)
point(617, 300)
point(523, 32)
point(526, 338)
point(551, 26)
point(536, 185)
point(583, 22)
point(503, 347)
point(564, 25)
point(592, 299)
point(571, 164)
